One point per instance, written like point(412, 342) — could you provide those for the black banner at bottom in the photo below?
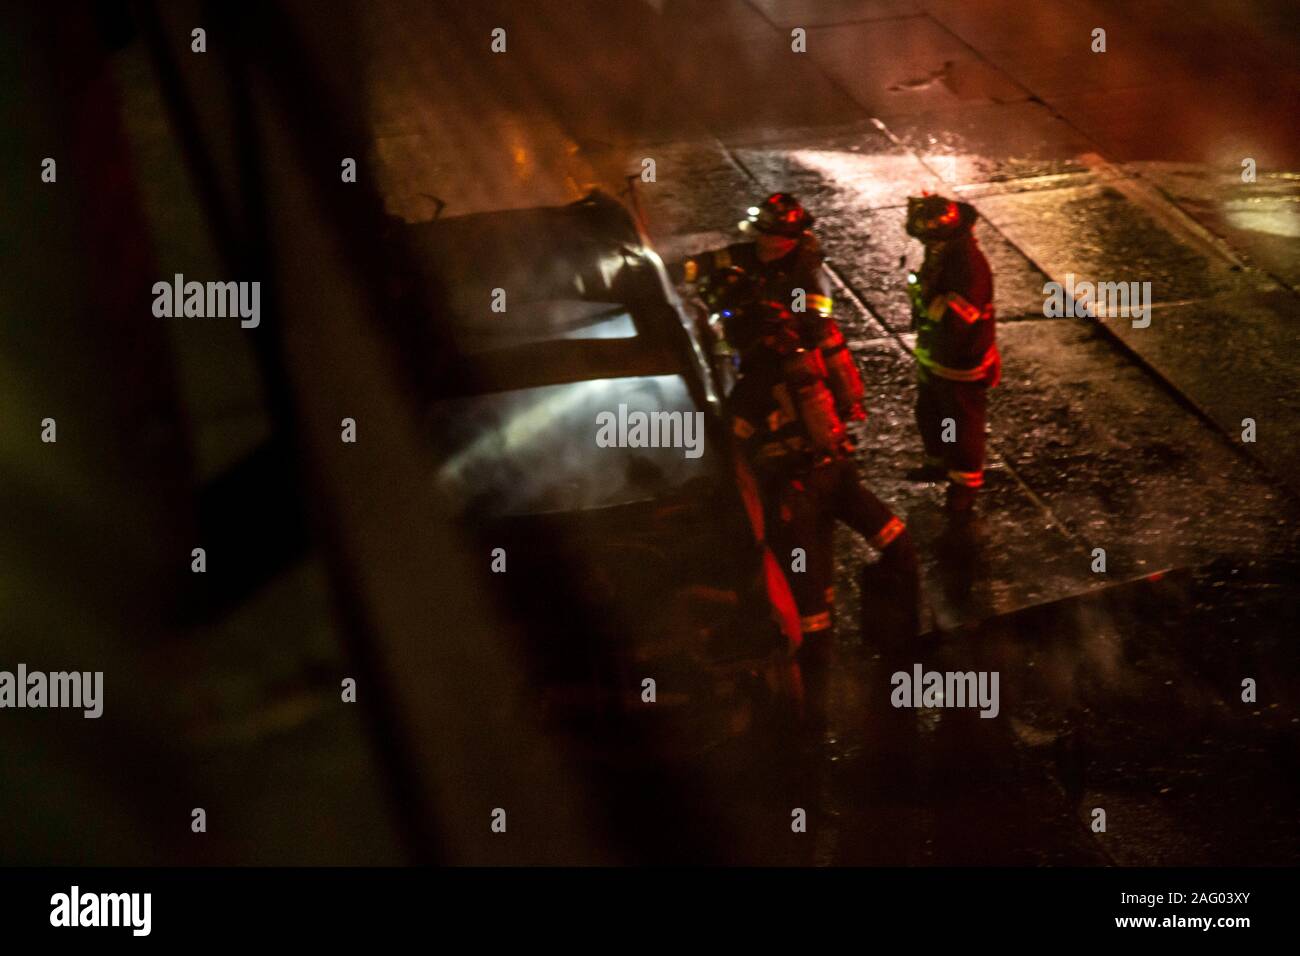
point(334, 905)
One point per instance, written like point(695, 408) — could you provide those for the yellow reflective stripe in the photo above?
point(970, 479)
point(958, 374)
point(692, 269)
point(741, 428)
point(886, 535)
point(815, 622)
point(821, 303)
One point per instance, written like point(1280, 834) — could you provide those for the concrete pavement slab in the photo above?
point(907, 65)
point(1259, 221)
point(1086, 451)
point(1122, 464)
point(1186, 120)
point(854, 166)
point(992, 142)
point(816, 13)
point(1052, 27)
point(968, 576)
point(697, 190)
point(1098, 233)
point(1235, 357)
point(1075, 69)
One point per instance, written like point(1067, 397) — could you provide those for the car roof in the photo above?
point(581, 292)
point(570, 252)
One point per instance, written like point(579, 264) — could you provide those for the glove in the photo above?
point(855, 429)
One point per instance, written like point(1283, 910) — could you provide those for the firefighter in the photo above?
point(783, 261)
point(784, 418)
point(956, 346)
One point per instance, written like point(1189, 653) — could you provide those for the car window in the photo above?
point(534, 322)
point(534, 450)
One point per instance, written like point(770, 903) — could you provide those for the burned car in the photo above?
point(577, 430)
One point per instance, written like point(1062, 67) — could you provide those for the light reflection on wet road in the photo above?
point(1120, 692)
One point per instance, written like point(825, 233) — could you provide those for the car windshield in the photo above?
point(519, 434)
point(534, 450)
point(534, 322)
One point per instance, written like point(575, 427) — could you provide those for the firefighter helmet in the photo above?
point(780, 214)
point(931, 217)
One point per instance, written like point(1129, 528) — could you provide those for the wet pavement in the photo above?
point(1102, 436)
point(1121, 690)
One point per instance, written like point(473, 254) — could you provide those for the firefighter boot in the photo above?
point(815, 667)
point(891, 597)
point(961, 500)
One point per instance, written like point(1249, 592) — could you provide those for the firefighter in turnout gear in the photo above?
point(783, 262)
point(784, 419)
point(956, 346)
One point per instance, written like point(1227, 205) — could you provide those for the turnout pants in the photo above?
point(804, 512)
point(965, 403)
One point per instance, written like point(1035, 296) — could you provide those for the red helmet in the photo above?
point(780, 214)
point(937, 217)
